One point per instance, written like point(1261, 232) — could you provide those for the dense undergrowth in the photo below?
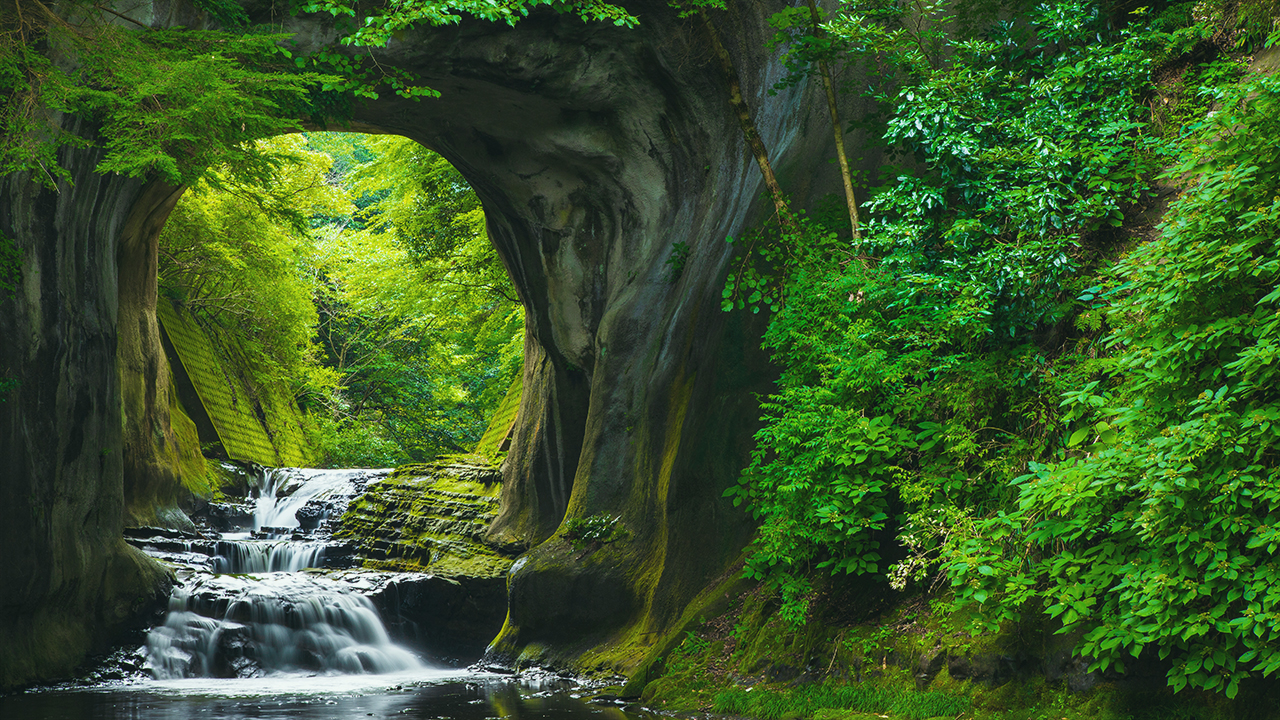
point(1029, 387)
point(870, 652)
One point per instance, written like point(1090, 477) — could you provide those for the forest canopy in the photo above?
point(361, 276)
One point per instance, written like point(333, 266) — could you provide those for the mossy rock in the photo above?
point(430, 517)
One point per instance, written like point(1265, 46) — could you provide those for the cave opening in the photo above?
point(346, 311)
point(594, 151)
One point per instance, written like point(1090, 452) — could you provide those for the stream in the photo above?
point(270, 620)
point(425, 694)
point(257, 612)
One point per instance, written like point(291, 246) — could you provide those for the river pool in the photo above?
point(424, 694)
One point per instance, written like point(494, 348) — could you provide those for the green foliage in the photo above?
point(913, 387)
point(166, 102)
point(422, 201)
point(769, 704)
point(390, 317)
point(234, 254)
point(6, 384)
point(174, 104)
point(1239, 24)
point(378, 27)
point(600, 528)
point(1160, 537)
point(767, 257)
point(10, 267)
point(359, 76)
point(27, 143)
point(1193, 95)
point(350, 442)
point(675, 263)
point(418, 317)
point(227, 13)
point(973, 394)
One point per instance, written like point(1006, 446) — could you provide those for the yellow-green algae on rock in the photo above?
point(427, 521)
point(430, 517)
point(253, 421)
point(497, 437)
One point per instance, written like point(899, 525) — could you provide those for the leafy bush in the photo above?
point(916, 382)
point(973, 394)
point(344, 442)
point(1161, 536)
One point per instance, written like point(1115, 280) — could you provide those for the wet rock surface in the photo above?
point(427, 576)
point(430, 517)
point(208, 551)
point(427, 523)
point(224, 516)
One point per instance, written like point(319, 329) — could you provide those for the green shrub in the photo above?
point(1159, 534)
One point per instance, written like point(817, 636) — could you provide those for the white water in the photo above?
point(235, 556)
point(277, 620)
point(281, 622)
point(277, 509)
point(281, 493)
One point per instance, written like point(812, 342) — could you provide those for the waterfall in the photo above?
point(256, 614)
point(282, 492)
point(239, 556)
point(236, 627)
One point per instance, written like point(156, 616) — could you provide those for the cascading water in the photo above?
point(266, 556)
point(282, 492)
point(258, 614)
point(282, 495)
point(230, 626)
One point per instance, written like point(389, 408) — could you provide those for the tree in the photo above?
point(418, 315)
point(238, 255)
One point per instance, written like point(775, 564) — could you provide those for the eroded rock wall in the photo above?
point(595, 150)
point(70, 581)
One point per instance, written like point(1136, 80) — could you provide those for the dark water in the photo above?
point(428, 695)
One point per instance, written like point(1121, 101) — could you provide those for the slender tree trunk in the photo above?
point(836, 127)
point(785, 217)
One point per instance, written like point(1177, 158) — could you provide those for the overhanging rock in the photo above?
point(595, 149)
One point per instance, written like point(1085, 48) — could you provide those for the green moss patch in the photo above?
point(911, 662)
point(494, 441)
point(430, 517)
point(254, 421)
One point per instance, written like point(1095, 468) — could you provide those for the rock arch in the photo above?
point(593, 149)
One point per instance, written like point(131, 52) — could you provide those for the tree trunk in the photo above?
point(836, 127)
point(785, 217)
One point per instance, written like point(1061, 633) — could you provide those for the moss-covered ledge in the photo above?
point(428, 520)
point(430, 517)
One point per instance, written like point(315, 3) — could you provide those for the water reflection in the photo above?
point(430, 695)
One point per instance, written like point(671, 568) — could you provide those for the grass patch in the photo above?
point(807, 701)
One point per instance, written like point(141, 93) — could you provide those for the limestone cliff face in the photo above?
point(69, 579)
point(594, 150)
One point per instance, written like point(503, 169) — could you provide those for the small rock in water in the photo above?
point(310, 515)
